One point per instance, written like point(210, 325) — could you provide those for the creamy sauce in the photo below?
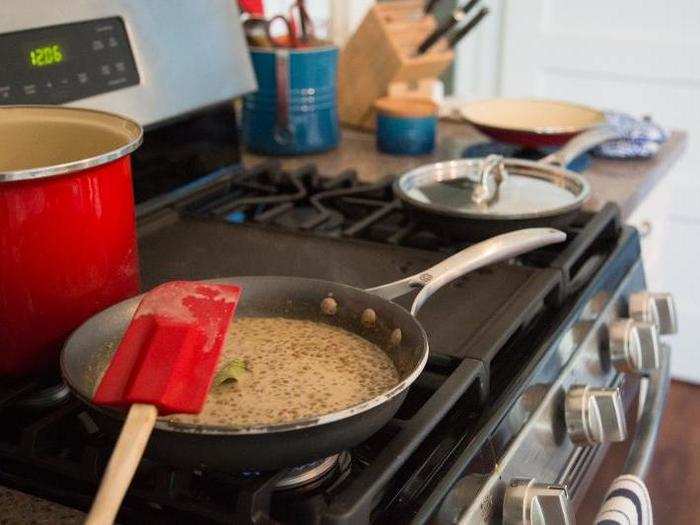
point(295, 370)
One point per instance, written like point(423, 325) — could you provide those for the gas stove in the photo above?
point(534, 371)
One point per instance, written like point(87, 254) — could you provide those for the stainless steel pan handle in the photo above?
point(580, 144)
point(493, 250)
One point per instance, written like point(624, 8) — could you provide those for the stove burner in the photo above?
point(45, 397)
point(302, 199)
point(305, 474)
point(34, 393)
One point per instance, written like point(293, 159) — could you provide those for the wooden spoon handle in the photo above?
point(122, 464)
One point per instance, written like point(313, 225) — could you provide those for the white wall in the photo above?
point(477, 66)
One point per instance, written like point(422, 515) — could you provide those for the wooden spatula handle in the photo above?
point(122, 464)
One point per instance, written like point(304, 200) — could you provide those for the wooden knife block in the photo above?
point(382, 51)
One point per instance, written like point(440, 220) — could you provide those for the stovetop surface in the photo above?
point(483, 330)
point(199, 249)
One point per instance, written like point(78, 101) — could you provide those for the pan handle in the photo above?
point(580, 144)
point(495, 249)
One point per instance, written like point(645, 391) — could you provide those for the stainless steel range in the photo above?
point(535, 369)
point(540, 368)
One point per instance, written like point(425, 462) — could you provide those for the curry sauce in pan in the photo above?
point(274, 370)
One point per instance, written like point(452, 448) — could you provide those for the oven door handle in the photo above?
point(627, 499)
point(654, 389)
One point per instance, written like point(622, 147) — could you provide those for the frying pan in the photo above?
point(472, 199)
point(87, 352)
point(531, 123)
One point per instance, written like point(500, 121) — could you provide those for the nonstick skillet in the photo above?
point(89, 348)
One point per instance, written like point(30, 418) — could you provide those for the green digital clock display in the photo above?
point(47, 55)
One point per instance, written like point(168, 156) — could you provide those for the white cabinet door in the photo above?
point(637, 56)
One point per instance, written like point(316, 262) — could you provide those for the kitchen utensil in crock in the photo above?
point(532, 123)
point(472, 199)
point(287, 444)
point(67, 226)
point(467, 28)
point(164, 364)
point(445, 27)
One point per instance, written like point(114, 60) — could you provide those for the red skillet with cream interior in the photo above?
point(529, 122)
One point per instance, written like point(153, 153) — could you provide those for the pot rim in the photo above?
point(295, 50)
point(131, 129)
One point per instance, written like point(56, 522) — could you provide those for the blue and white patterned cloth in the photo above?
point(642, 138)
point(627, 503)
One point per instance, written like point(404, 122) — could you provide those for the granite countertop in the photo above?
point(18, 508)
point(626, 182)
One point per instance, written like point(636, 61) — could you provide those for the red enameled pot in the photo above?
point(67, 226)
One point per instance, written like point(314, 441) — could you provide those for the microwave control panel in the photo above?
point(63, 63)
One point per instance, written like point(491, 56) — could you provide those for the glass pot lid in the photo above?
point(493, 188)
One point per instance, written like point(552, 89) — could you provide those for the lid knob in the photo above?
point(493, 173)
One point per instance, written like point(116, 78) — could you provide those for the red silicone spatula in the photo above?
point(164, 364)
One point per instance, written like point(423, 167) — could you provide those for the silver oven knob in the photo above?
point(634, 346)
point(595, 415)
point(655, 308)
point(527, 502)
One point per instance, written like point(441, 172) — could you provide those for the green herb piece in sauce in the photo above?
point(231, 371)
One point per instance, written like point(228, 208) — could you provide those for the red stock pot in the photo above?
point(67, 226)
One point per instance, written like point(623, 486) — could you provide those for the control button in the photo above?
point(594, 415)
point(29, 89)
point(116, 81)
point(98, 45)
point(120, 67)
point(112, 42)
point(105, 69)
point(655, 308)
point(527, 502)
point(82, 77)
point(634, 346)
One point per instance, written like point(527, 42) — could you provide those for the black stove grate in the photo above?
point(304, 200)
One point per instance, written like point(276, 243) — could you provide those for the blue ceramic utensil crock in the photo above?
point(295, 110)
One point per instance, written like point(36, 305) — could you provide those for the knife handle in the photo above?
point(429, 6)
point(443, 28)
point(467, 28)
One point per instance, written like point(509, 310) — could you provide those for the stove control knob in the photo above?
point(656, 308)
point(527, 502)
point(634, 346)
point(595, 415)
